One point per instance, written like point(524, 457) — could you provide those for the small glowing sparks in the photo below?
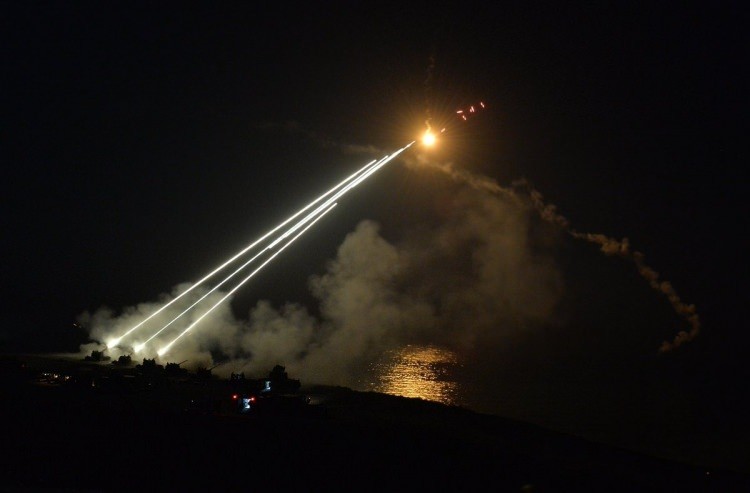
point(466, 113)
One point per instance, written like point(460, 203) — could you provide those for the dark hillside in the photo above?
point(59, 438)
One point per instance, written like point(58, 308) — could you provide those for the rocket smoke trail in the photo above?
point(428, 92)
point(609, 246)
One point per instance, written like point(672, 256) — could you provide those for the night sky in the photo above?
point(141, 145)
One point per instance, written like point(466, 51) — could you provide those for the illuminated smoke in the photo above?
point(104, 323)
point(521, 190)
point(434, 286)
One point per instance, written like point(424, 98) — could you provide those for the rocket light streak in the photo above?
point(115, 342)
point(353, 180)
point(166, 348)
point(291, 230)
point(358, 180)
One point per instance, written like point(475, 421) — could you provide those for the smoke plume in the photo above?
point(521, 190)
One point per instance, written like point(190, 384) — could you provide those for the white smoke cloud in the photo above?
point(104, 326)
point(472, 279)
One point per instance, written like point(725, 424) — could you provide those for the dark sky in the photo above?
point(137, 152)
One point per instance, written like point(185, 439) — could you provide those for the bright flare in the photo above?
point(429, 138)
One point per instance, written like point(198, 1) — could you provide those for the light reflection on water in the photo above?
point(417, 371)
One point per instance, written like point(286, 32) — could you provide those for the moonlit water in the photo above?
point(425, 372)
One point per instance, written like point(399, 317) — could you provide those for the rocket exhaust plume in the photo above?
point(608, 246)
point(344, 186)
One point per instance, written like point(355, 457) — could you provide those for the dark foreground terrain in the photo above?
point(61, 439)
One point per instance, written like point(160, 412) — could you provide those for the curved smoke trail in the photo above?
point(521, 189)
